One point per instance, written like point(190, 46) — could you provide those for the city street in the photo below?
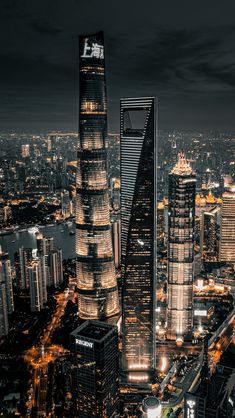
point(40, 356)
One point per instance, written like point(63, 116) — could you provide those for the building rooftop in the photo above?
point(151, 404)
point(3, 254)
point(94, 330)
point(182, 167)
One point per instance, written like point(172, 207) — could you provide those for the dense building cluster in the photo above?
point(146, 315)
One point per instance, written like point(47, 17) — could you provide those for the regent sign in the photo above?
point(84, 343)
point(92, 50)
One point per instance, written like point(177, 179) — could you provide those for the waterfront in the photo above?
point(60, 232)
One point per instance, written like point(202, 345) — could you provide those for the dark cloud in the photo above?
point(178, 56)
point(180, 51)
point(11, 9)
point(31, 69)
point(220, 74)
point(44, 27)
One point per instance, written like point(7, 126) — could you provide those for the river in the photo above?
point(60, 232)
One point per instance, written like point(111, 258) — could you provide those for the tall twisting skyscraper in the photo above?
point(97, 285)
point(227, 233)
point(138, 236)
point(181, 223)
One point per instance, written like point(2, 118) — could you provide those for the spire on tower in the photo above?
point(182, 166)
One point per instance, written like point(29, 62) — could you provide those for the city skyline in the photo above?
point(117, 238)
point(181, 53)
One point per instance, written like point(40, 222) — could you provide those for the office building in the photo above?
point(181, 225)
point(25, 256)
point(95, 372)
point(227, 180)
point(37, 284)
point(208, 239)
point(227, 231)
point(213, 397)
point(6, 293)
point(25, 150)
point(5, 277)
point(5, 214)
point(4, 321)
point(138, 237)
point(44, 244)
point(55, 264)
point(65, 204)
point(115, 191)
point(116, 240)
point(49, 147)
point(97, 285)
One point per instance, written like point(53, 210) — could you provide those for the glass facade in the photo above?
point(97, 285)
point(181, 225)
point(227, 234)
point(25, 255)
point(95, 371)
point(208, 235)
point(138, 236)
point(37, 284)
point(6, 293)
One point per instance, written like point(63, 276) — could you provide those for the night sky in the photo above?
point(181, 51)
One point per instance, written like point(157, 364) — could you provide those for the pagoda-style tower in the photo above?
point(181, 225)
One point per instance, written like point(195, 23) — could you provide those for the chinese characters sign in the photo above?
point(92, 50)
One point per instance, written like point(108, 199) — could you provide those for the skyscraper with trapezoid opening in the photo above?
point(138, 237)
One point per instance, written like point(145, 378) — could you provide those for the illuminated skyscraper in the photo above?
point(208, 241)
point(37, 284)
point(25, 150)
point(25, 256)
point(181, 224)
point(65, 204)
point(97, 285)
point(6, 292)
point(116, 239)
point(95, 371)
point(55, 264)
point(227, 232)
point(138, 236)
point(44, 244)
point(4, 322)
